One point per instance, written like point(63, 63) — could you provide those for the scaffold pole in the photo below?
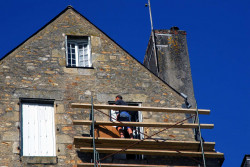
point(201, 141)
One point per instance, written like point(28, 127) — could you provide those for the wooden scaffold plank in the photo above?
point(124, 165)
point(154, 152)
point(136, 108)
point(143, 124)
point(145, 144)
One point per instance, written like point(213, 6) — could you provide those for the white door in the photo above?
point(38, 130)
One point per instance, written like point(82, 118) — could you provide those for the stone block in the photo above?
point(12, 116)
point(63, 119)
point(60, 108)
point(95, 41)
point(61, 149)
point(112, 57)
point(57, 53)
point(101, 57)
point(67, 128)
point(11, 136)
point(16, 157)
point(87, 92)
point(136, 97)
point(39, 160)
point(69, 146)
point(101, 97)
point(64, 139)
point(145, 85)
point(83, 71)
point(15, 148)
point(62, 62)
point(43, 58)
point(70, 70)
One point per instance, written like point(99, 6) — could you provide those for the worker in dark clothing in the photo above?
point(123, 116)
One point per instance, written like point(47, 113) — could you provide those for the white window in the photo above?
point(78, 52)
point(38, 130)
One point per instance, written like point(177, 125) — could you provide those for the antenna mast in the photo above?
point(153, 37)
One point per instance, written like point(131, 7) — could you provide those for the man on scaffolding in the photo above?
point(123, 116)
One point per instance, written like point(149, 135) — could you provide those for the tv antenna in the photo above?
point(153, 37)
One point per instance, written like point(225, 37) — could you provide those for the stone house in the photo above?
point(69, 60)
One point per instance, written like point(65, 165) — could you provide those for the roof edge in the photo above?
point(244, 159)
point(68, 7)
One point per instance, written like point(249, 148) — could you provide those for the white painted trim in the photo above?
point(169, 35)
point(89, 52)
point(164, 46)
point(66, 46)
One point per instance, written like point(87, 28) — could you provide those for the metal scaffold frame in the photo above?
point(95, 153)
point(96, 158)
point(201, 140)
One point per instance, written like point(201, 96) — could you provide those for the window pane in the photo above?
point(86, 62)
point(78, 49)
point(80, 52)
point(69, 61)
point(81, 64)
point(86, 57)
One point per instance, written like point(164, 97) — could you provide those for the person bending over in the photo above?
point(123, 116)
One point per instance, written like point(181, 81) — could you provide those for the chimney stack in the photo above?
point(173, 61)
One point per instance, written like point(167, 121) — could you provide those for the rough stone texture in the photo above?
point(173, 61)
point(36, 69)
point(39, 160)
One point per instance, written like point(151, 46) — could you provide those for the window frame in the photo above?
point(77, 40)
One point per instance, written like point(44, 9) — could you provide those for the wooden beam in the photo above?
point(146, 144)
point(143, 124)
point(135, 108)
point(123, 165)
point(154, 152)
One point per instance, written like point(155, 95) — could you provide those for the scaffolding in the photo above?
point(148, 145)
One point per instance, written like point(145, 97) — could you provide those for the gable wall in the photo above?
point(37, 70)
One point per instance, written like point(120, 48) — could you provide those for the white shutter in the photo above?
point(67, 52)
point(38, 129)
point(89, 53)
point(113, 114)
point(86, 55)
point(80, 55)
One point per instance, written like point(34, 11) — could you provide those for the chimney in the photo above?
point(173, 61)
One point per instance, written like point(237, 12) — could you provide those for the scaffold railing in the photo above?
point(127, 149)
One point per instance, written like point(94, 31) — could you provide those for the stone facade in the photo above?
point(37, 69)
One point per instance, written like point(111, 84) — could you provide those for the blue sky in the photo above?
point(218, 42)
